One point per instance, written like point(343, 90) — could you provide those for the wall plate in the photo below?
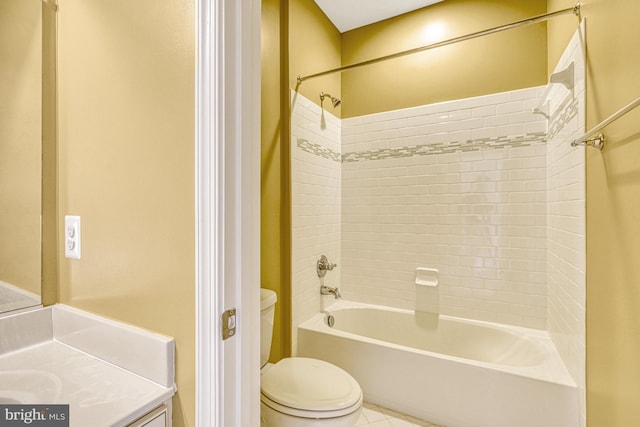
point(72, 236)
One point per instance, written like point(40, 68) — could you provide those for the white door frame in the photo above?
point(228, 211)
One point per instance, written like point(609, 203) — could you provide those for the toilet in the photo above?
point(299, 391)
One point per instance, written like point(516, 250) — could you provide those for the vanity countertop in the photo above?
point(98, 393)
point(100, 370)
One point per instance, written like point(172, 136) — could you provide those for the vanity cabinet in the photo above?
point(159, 417)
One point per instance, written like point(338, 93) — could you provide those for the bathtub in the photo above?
point(451, 371)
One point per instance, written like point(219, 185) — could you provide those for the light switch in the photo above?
point(72, 236)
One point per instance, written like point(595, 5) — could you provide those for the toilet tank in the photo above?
point(268, 300)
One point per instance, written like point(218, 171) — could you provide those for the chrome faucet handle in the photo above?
point(323, 265)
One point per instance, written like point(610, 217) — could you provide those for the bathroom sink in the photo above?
point(28, 386)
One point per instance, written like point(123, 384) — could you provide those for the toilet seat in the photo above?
point(310, 388)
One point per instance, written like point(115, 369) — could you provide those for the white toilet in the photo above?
point(302, 392)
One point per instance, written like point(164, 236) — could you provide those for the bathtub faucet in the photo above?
point(326, 290)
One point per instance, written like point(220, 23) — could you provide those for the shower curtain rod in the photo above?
point(574, 10)
point(598, 141)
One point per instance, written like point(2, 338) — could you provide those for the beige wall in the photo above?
point(20, 142)
point(314, 46)
point(500, 62)
point(274, 201)
point(613, 209)
point(126, 166)
point(275, 218)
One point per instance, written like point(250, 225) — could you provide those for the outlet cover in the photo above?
point(72, 236)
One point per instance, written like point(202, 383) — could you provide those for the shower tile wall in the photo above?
point(316, 194)
point(566, 218)
point(459, 186)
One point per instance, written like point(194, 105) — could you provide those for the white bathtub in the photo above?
point(456, 372)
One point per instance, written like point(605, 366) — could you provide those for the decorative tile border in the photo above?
point(562, 117)
point(492, 143)
point(319, 150)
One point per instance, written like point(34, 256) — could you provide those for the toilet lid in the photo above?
point(310, 385)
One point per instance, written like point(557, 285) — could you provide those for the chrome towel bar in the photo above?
point(598, 141)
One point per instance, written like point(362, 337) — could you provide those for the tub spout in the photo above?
point(326, 290)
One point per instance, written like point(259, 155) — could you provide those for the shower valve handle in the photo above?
point(323, 265)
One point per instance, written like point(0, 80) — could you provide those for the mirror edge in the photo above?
point(49, 265)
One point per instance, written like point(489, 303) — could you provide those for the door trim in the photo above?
point(208, 357)
point(227, 164)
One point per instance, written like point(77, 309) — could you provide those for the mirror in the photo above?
point(20, 153)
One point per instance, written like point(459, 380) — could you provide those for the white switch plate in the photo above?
point(72, 236)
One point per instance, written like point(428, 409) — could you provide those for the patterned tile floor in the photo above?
point(376, 416)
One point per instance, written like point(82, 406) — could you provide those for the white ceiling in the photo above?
point(349, 14)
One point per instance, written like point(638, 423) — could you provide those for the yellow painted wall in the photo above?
point(126, 166)
point(20, 142)
point(314, 46)
point(274, 201)
point(613, 209)
point(496, 63)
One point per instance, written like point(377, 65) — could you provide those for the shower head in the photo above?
point(334, 101)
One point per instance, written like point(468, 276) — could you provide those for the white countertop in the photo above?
point(99, 393)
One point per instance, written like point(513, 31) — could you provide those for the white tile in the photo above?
point(372, 413)
point(440, 199)
point(362, 421)
point(400, 422)
point(381, 423)
point(509, 107)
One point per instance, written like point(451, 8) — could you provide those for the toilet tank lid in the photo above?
point(267, 298)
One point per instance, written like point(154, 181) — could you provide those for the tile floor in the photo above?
point(376, 416)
